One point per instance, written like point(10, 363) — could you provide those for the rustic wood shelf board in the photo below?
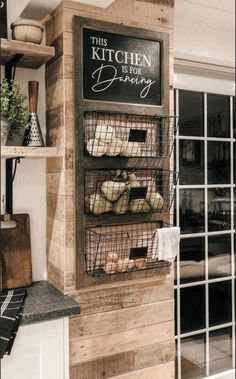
point(34, 56)
point(28, 152)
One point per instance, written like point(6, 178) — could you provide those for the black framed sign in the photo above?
point(121, 68)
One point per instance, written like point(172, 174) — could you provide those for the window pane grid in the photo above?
point(233, 168)
point(204, 330)
point(213, 139)
point(206, 230)
point(202, 282)
point(206, 233)
point(178, 265)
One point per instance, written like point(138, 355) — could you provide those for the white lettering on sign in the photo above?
point(119, 56)
point(117, 64)
point(103, 84)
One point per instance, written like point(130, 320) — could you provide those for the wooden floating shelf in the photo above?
point(28, 152)
point(34, 56)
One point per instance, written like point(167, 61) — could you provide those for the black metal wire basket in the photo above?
point(130, 191)
point(120, 249)
point(118, 134)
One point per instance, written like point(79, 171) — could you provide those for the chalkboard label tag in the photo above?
point(137, 135)
point(138, 193)
point(138, 252)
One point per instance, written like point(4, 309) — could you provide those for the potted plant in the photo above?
point(14, 114)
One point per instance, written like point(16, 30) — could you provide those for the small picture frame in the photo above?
point(189, 152)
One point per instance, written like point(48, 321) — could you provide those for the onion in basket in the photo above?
point(121, 206)
point(112, 190)
point(138, 205)
point(141, 263)
point(98, 205)
point(125, 264)
point(114, 147)
point(155, 200)
point(110, 268)
point(96, 147)
point(111, 257)
point(131, 149)
point(104, 133)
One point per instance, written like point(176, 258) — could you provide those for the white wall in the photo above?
point(37, 9)
point(30, 182)
point(194, 82)
point(205, 28)
point(15, 7)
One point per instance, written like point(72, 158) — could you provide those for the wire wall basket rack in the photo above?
point(120, 249)
point(129, 191)
point(124, 135)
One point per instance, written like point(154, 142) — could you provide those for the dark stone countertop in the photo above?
point(44, 302)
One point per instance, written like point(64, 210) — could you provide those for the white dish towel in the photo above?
point(166, 244)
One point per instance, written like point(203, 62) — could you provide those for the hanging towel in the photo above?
point(12, 304)
point(166, 244)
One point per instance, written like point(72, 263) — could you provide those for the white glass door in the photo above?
point(205, 211)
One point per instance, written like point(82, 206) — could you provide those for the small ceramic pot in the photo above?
point(27, 31)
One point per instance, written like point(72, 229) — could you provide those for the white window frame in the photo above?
point(195, 75)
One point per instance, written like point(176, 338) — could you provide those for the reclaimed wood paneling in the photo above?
point(136, 15)
point(125, 295)
point(60, 183)
point(54, 27)
point(33, 55)
point(125, 330)
point(61, 256)
point(123, 363)
point(54, 95)
point(54, 73)
point(56, 276)
point(63, 280)
point(29, 152)
point(60, 232)
point(154, 355)
point(60, 79)
point(123, 319)
point(118, 342)
point(164, 371)
point(56, 165)
point(60, 110)
point(105, 368)
point(60, 207)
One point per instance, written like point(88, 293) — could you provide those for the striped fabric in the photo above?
point(12, 303)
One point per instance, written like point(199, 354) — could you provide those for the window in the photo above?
point(205, 212)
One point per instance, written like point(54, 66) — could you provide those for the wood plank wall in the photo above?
point(125, 330)
point(155, 15)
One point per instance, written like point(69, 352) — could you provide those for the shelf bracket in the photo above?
point(10, 67)
point(10, 176)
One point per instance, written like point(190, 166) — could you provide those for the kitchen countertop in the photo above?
point(44, 302)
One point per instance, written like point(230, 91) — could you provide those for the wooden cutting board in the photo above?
point(15, 253)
